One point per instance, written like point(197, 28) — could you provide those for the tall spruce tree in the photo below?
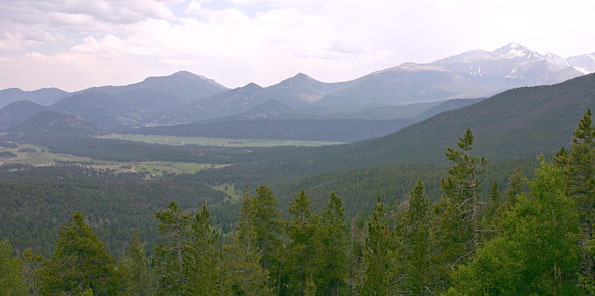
point(80, 262)
point(580, 185)
point(268, 229)
point(201, 257)
point(377, 256)
point(134, 270)
point(304, 247)
point(459, 209)
point(243, 274)
point(169, 252)
point(334, 260)
point(418, 240)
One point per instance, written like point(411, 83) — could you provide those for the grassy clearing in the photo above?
point(219, 142)
point(40, 156)
point(232, 194)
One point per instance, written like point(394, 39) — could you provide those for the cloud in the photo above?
point(265, 41)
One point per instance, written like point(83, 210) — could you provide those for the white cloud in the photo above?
point(265, 41)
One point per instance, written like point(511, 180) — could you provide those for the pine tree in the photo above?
point(11, 280)
point(536, 254)
point(516, 187)
point(494, 213)
point(580, 185)
point(169, 252)
point(133, 267)
point(379, 279)
point(80, 262)
point(33, 271)
point(267, 220)
point(459, 209)
point(201, 257)
point(419, 269)
point(244, 275)
point(334, 260)
point(304, 247)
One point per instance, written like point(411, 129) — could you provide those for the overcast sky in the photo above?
point(75, 44)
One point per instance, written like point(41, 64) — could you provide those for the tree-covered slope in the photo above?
point(516, 123)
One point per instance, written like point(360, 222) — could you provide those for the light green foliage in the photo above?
point(133, 269)
point(169, 253)
point(537, 252)
point(11, 280)
point(80, 262)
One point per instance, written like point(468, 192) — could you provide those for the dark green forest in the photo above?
point(466, 226)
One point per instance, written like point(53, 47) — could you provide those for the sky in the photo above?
point(75, 44)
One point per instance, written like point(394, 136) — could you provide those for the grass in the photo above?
point(40, 156)
point(220, 142)
point(232, 195)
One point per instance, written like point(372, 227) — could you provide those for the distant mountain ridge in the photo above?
point(184, 97)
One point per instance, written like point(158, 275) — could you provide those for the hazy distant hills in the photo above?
point(18, 112)
point(48, 123)
point(275, 120)
point(409, 91)
point(44, 96)
point(517, 123)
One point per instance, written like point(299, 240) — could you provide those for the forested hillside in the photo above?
point(527, 235)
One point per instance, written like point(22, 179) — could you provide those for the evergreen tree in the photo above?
point(419, 269)
point(516, 187)
point(169, 252)
point(580, 185)
point(11, 280)
point(304, 248)
point(268, 229)
point(33, 271)
point(80, 262)
point(537, 252)
point(459, 210)
point(334, 260)
point(134, 271)
point(201, 257)
point(244, 275)
point(378, 278)
point(494, 211)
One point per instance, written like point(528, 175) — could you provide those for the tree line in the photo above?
point(468, 242)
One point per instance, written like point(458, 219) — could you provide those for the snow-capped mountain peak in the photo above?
point(583, 63)
point(555, 59)
point(512, 50)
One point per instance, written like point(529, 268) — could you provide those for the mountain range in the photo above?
point(400, 94)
